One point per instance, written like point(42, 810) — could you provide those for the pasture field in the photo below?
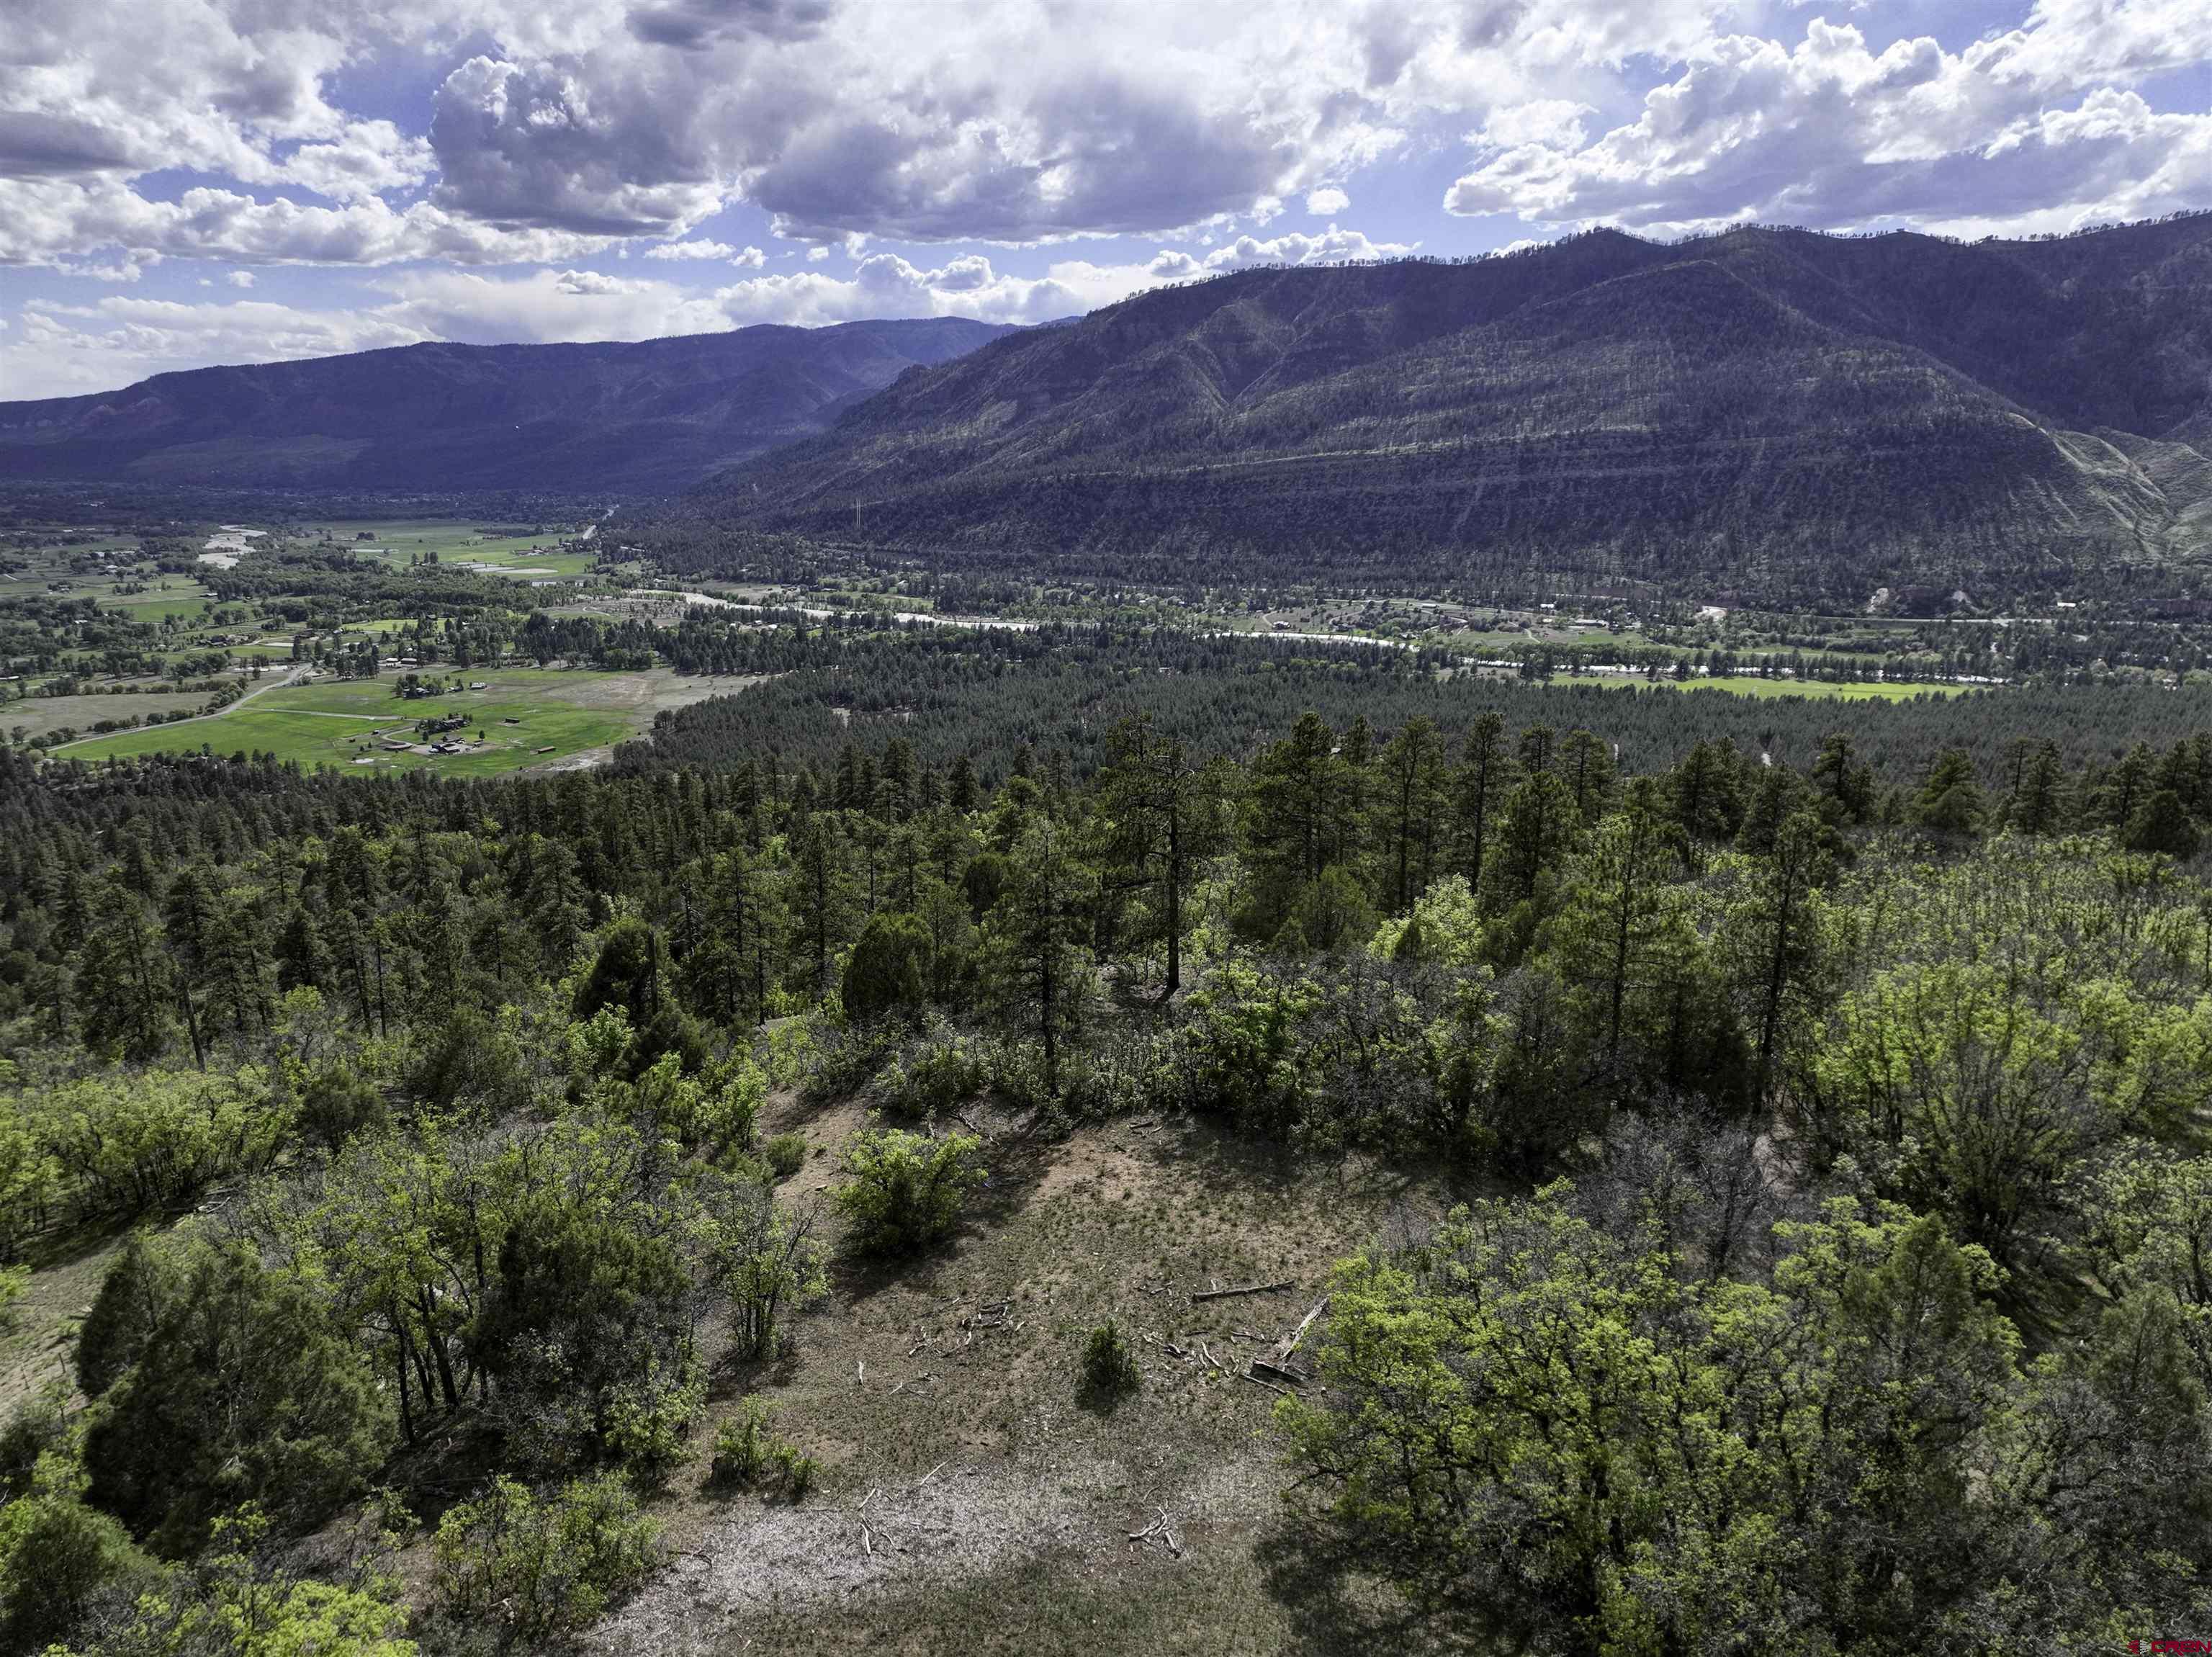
point(39, 715)
point(188, 604)
point(1747, 685)
point(461, 543)
point(559, 716)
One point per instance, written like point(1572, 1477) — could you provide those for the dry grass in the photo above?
point(997, 1504)
point(65, 1279)
point(41, 715)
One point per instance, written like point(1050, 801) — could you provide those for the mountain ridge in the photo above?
point(1840, 412)
point(649, 415)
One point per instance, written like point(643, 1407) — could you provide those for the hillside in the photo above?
point(648, 417)
point(1776, 408)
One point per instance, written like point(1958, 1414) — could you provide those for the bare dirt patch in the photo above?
point(942, 1397)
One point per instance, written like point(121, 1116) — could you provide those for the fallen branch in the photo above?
point(1249, 1289)
point(1284, 1350)
point(1246, 1374)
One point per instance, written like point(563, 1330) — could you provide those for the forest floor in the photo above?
point(971, 1500)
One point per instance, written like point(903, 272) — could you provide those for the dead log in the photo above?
point(1249, 1289)
point(1285, 1347)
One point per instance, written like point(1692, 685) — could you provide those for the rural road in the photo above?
point(292, 676)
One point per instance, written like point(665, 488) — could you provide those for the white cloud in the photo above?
point(543, 306)
point(2013, 132)
point(1331, 247)
point(564, 133)
point(751, 256)
point(60, 350)
point(884, 284)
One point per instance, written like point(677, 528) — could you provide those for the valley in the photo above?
point(1511, 955)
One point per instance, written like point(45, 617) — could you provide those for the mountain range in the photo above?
point(1799, 412)
point(652, 416)
point(1809, 417)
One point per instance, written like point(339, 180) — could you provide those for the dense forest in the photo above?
point(1815, 1095)
point(988, 693)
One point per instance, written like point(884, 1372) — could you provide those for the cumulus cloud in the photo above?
point(884, 284)
point(2011, 133)
point(231, 131)
point(543, 306)
point(713, 250)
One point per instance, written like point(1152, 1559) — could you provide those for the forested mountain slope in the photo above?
point(653, 415)
point(1780, 409)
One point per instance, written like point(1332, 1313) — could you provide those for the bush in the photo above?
point(742, 1446)
point(541, 1565)
point(648, 1416)
point(241, 1390)
point(746, 1454)
point(797, 1470)
point(786, 1154)
point(1109, 1365)
point(904, 1190)
point(944, 1075)
point(38, 1424)
point(57, 1555)
point(845, 1058)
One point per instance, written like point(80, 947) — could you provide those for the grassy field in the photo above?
point(346, 722)
point(159, 607)
point(1744, 685)
point(456, 542)
point(39, 715)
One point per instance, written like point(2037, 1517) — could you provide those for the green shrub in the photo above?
point(845, 1058)
point(747, 1454)
point(56, 1555)
point(797, 1470)
point(648, 1416)
point(542, 1564)
point(903, 1191)
point(241, 1390)
point(37, 1425)
point(742, 1446)
point(943, 1076)
point(1109, 1365)
point(786, 1154)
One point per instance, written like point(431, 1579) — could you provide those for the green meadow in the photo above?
point(343, 721)
point(463, 542)
point(1818, 689)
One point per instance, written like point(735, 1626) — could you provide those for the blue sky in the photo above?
point(184, 182)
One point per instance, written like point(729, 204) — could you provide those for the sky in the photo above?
point(187, 182)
